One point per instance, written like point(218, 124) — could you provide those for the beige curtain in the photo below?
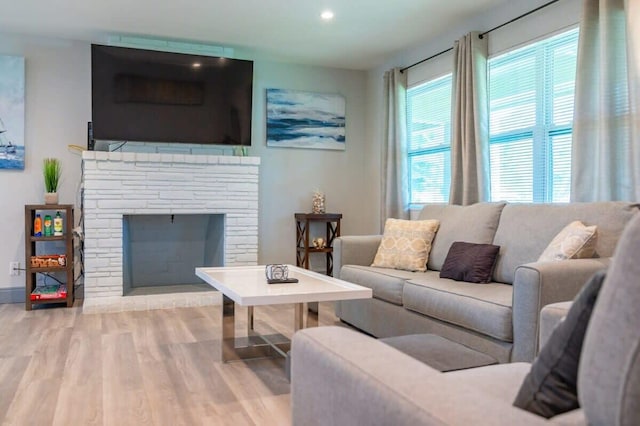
point(470, 180)
point(395, 187)
point(606, 128)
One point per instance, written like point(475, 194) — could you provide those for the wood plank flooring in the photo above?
point(59, 366)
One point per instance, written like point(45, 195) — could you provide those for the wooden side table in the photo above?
point(304, 246)
point(32, 248)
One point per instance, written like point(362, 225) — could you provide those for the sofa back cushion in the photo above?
point(476, 223)
point(609, 371)
point(525, 230)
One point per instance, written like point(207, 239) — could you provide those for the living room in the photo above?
point(58, 108)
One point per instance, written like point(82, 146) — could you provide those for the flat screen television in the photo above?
point(152, 96)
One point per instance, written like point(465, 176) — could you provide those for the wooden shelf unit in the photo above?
point(304, 246)
point(31, 248)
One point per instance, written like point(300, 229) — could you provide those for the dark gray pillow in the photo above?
point(470, 262)
point(550, 388)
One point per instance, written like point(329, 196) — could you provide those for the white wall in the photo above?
point(58, 107)
point(289, 176)
point(550, 19)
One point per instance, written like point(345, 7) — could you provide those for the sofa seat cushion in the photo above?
point(386, 283)
point(501, 381)
point(438, 352)
point(485, 308)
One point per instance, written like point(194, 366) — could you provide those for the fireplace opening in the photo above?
point(161, 252)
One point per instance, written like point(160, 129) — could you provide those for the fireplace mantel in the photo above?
point(117, 184)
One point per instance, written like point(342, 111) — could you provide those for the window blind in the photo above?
point(429, 147)
point(531, 92)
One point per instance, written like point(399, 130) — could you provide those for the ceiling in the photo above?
point(363, 34)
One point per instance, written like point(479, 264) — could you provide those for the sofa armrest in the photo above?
point(341, 377)
point(539, 284)
point(354, 250)
point(550, 316)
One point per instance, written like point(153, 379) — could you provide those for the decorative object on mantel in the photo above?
point(240, 151)
point(297, 119)
point(52, 170)
point(318, 202)
point(11, 112)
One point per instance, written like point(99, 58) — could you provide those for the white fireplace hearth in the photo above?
point(121, 184)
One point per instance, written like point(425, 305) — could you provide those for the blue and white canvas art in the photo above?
point(297, 119)
point(11, 112)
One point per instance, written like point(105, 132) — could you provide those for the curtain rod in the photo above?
point(483, 34)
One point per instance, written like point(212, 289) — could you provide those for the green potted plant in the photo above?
point(52, 170)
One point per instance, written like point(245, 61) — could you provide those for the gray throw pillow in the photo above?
point(470, 262)
point(550, 388)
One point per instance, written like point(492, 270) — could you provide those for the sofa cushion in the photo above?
point(470, 262)
point(406, 244)
point(500, 381)
point(550, 388)
point(476, 223)
point(483, 308)
point(575, 241)
point(526, 229)
point(438, 352)
point(386, 283)
point(609, 371)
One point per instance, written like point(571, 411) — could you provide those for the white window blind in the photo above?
point(429, 148)
point(531, 91)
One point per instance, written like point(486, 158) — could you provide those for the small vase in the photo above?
point(51, 198)
point(318, 202)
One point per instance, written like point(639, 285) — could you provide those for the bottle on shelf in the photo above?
point(57, 225)
point(48, 226)
point(37, 226)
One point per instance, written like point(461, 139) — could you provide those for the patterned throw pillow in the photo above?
point(406, 244)
point(575, 241)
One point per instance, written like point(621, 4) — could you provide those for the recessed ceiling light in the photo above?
point(196, 65)
point(327, 15)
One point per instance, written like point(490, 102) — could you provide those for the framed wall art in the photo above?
point(298, 119)
point(11, 112)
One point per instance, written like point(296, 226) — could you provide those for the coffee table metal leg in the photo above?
point(312, 316)
point(298, 319)
point(250, 319)
point(228, 351)
point(258, 347)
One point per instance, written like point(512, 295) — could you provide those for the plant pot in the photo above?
point(51, 198)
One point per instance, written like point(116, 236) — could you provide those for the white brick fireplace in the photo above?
point(118, 184)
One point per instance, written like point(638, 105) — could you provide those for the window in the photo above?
point(531, 93)
point(429, 148)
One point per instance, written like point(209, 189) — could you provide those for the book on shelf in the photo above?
point(58, 291)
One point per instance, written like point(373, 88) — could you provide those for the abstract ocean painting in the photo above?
point(11, 112)
point(297, 119)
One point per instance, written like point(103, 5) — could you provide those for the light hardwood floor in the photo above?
point(158, 367)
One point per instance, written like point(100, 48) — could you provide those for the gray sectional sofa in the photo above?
point(341, 377)
point(499, 318)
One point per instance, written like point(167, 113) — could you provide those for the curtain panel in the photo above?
point(470, 178)
point(395, 185)
point(606, 127)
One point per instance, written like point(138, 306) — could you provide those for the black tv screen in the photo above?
point(152, 96)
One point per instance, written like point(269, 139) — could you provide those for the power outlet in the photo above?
point(14, 269)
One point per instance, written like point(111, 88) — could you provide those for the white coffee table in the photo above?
point(247, 286)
